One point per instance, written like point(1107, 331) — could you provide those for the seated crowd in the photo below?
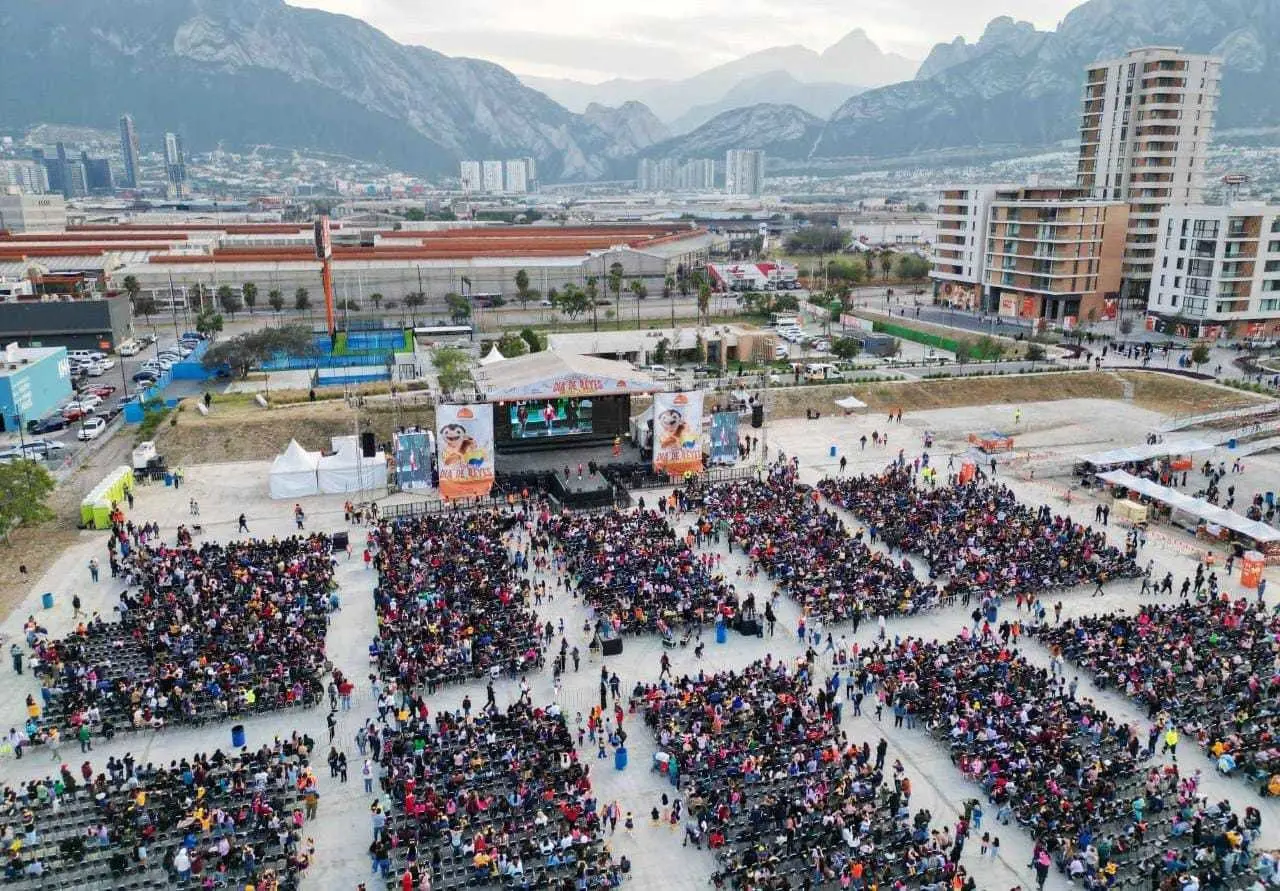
point(1067, 771)
point(782, 795)
point(807, 550)
point(203, 634)
point(451, 603)
point(988, 544)
point(489, 798)
point(636, 573)
point(208, 821)
point(1208, 669)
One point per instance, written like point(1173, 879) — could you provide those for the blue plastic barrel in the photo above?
point(1271, 498)
point(722, 633)
point(620, 758)
point(237, 736)
point(1231, 443)
point(46, 600)
point(833, 451)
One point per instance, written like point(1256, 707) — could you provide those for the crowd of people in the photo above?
point(1208, 670)
point(807, 550)
point(486, 796)
point(452, 603)
point(1080, 781)
point(979, 536)
point(781, 793)
point(203, 633)
point(636, 573)
point(212, 820)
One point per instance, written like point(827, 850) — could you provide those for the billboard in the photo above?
point(465, 437)
point(677, 433)
point(413, 460)
point(724, 437)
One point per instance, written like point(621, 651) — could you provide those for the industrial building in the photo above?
point(1217, 271)
point(33, 382)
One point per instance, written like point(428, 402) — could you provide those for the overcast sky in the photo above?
point(594, 41)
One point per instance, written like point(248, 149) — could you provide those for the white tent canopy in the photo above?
point(293, 473)
point(493, 357)
point(1147, 452)
point(1196, 507)
point(347, 470)
point(850, 403)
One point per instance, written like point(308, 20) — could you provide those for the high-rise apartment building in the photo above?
point(1217, 266)
point(23, 178)
point(491, 176)
point(960, 243)
point(175, 163)
point(129, 151)
point(469, 174)
point(1144, 138)
point(744, 171)
point(516, 177)
point(669, 174)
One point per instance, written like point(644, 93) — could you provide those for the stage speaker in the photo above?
point(368, 447)
point(611, 647)
point(757, 416)
point(340, 541)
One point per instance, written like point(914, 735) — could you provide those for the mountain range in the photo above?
point(251, 72)
point(817, 82)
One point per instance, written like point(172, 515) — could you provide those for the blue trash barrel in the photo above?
point(1271, 498)
point(237, 736)
point(46, 600)
point(722, 633)
point(833, 451)
point(620, 758)
point(1231, 443)
point(168, 479)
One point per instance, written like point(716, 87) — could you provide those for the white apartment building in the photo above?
point(517, 176)
point(960, 242)
point(491, 176)
point(469, 174)
point(744, 171)
point(1218, 266)
point(1145, 129)
point(23, 178)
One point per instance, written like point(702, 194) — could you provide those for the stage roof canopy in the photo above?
point(550, 375)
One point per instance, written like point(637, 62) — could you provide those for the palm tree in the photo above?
point(250, 293)
point(886, 264)
point(669, 293)
point(132, 288)
point(704, 301)
point(413, 300)
point(375, 298)
point(522, 287)
point(593, 292)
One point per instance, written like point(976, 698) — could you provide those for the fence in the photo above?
point(905, 333)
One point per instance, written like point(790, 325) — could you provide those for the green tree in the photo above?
point(638, 290)
point(816, 240)
point(25, 487)
point(845, 347)
point(847, 271)
point(376, 299)
point(209, 322)
point(275, 300)
point(911, 267)
point(660, 352)
point(615, 279)
point(145, 305)
point(572, 301)
point(592, 293)
point(229, 300)
point(511, 345)
point(244, 352)
point(414, 300)
point(1199, 354)
point(415, 215)
point(1035, 352)
point(886, 265)
point(249, 292)
point(301, 300)
point(522, 287)
point(535, 341)
point(452, 369)
point(196, 296)
point(459, 307)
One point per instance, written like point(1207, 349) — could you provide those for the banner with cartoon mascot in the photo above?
point(677, 433)
point(464, 434)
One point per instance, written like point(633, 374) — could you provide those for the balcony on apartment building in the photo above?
point(1238, 269)
point(1244, 227)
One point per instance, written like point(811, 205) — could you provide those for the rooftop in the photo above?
point(554, 373)
point(16, 358)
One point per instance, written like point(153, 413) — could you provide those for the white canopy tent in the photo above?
point(347, 470)
point(1196, 507)
point(493, 357)
point(1147, 452)
point(851, 403)
point(293, 473)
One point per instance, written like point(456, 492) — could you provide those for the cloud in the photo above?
point(674, 38)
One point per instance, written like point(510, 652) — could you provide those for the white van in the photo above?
point(80, 355)
point(821, 371)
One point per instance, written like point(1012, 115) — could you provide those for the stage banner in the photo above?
point(677, 433)
point(465, 437)
point(413, 461)
point(724, 437)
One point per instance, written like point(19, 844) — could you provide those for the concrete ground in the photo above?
point(341, 830)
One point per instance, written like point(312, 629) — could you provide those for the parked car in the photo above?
point(74, 412)
point(194, 335)
point(92, 429)
point(103, 391)
point(50, 424)
point(42, 448)
point(129, 348)
point(146, 375)
point(95, 369)
point(147, 339)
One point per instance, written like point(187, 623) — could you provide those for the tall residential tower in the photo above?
point(129, 150)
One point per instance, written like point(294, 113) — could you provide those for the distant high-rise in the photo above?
point(65, 174)
point(491, 176)
point(97, 174)
point(469, 173)
point(129, 150)
point(23, 177)
point(1144, 138)
point(175, 163)
point(744, 171)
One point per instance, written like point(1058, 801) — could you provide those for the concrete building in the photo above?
point(725, 344)
point(1145, 129)
point(23, 178)
point(516, 176)
point(129, 151)
point(65, 174)
point(98, 178)
point(491, 176)
point(1054, 254)
point(744, 171)
point(469, 174)
point(960, 243)
point(33, 382)
point(175, 164)
point(32, 213)
point(1217, 271)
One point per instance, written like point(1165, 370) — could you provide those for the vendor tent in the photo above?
point(293, 473)
point(492, 357)
point(1135, 454)
point(851, 403)
point(347, 470)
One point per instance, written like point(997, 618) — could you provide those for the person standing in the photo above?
point(15, 653)
point(243, 524)
point(93, 572)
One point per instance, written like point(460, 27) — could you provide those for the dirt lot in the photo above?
point(1173, 395)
